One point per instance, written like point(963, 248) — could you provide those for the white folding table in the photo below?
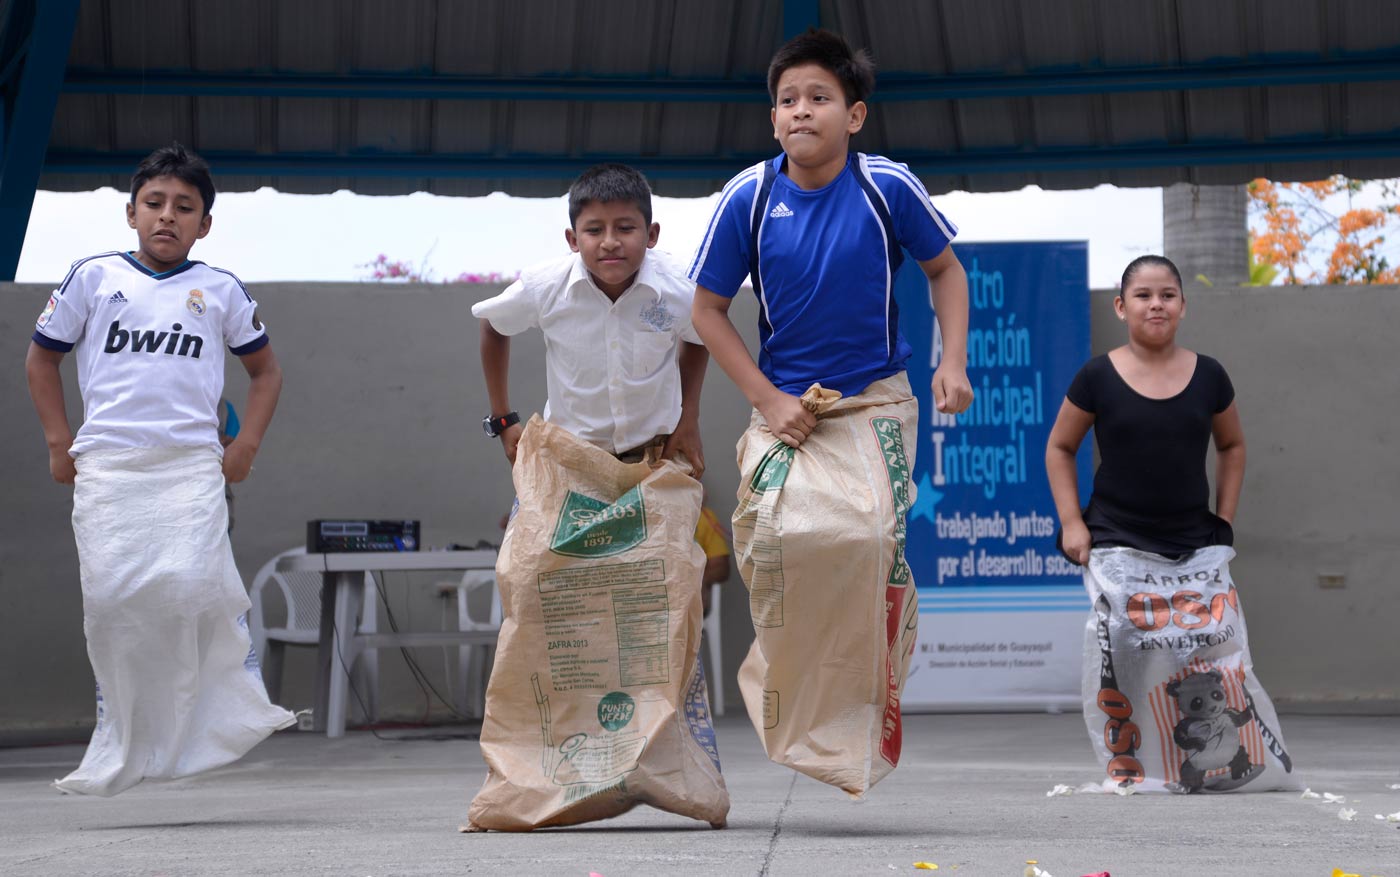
point(339, 643)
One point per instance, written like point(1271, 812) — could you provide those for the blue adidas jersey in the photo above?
point(825, 262)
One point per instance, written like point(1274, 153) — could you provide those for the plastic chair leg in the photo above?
point(272, 663)
point(711, 626)
point(365, 678)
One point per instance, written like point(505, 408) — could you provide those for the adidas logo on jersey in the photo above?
point(117, 298)
point(780, 211)
point(150, 341)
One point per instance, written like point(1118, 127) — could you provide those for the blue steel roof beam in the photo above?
point(892, 86)
point(13, 63)
point(1043, 160)
point(370, 86)
point(30, 117)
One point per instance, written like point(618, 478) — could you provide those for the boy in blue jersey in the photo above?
point(162, 600)
point(823, 227)
point(821, 231)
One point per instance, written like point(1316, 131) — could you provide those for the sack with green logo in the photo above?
point(596, 701)
point(819, 539)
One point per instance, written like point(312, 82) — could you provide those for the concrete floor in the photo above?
point(969, 796)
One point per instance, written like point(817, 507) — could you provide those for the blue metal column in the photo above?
point(38, 34)
point(798, 15)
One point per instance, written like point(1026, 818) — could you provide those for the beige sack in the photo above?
point(596, 702)
point(819, 537)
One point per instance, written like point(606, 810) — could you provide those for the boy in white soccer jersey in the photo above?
point(162, 599)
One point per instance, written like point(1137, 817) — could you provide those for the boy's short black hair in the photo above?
point(853, 69)
point(1143, 262)
point(603, 183)
point(178, 162)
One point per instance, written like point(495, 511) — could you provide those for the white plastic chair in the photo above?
point(710, 631)
point(301, 591)
point(474, 659)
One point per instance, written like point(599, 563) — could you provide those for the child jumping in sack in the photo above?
point(162, 599)
point(825, 465)
point(597, 699)
point(1170, 696)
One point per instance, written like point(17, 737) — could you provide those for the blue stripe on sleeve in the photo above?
point(68, 278)
point(253, 346)
point(48, 343)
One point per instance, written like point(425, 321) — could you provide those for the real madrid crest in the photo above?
point(195, 302)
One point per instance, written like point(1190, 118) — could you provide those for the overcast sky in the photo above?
point(267, 235)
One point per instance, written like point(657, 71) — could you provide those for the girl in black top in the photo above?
point(1154, 406)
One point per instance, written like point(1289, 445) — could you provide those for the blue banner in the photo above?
point(984, 514)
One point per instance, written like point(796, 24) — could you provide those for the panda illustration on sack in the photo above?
point(1209, 732)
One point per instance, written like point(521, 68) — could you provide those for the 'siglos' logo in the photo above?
point(589, 527)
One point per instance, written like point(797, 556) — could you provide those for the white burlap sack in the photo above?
point(597, 702)
point(162, 609)
point(819, 538)
point(1170, 696)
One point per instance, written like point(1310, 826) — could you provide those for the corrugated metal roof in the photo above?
point(466, 98)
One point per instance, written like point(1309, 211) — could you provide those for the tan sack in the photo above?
point(596, 702)
point(819, 538)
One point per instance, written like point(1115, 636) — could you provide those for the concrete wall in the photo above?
point(380, 418)
point(1314, 376)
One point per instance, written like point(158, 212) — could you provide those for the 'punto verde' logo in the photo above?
point(615, 710)
point(589, 527)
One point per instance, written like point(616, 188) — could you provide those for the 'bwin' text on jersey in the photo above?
point(171, 343)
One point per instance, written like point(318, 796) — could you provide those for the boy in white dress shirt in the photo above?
point(623, 365)
point(624, 370)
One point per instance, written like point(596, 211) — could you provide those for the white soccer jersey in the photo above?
point(150, 348)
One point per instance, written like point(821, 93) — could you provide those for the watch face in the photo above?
point(489, 426)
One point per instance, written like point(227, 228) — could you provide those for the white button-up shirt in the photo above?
point(611, 367)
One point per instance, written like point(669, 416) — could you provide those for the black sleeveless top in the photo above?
point(1151, 490)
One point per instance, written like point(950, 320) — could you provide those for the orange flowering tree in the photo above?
point(1315, 232)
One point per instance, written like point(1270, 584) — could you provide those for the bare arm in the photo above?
point(952, 392)
point(46, 389)
point(495, 367)
point(1229, 461)
point(264, 388)
point(685, 439)
point(784, 415)
point(716, 570)
point(1071, 425)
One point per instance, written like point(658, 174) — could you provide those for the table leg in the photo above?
point(325, 651)
point(349, 594)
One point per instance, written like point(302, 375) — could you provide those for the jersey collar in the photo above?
point(161, 275)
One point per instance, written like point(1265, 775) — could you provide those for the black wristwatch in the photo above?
point(494, 426)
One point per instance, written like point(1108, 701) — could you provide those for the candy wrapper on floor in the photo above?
point(1170, 696)
point(596, 701)
point(819, 538)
